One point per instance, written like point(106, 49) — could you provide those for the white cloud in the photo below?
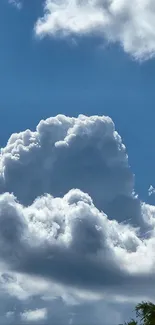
point(151, 190)
point(34, 315)
point(72, 248)
point(9, 314)
point(65, 153)
point(131, 23)
point(67, 248)
point(69, 241)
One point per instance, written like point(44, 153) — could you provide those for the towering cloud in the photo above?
point(65, 190)
point(64, 153)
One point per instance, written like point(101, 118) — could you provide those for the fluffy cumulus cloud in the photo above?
point(65, 153)
point(74, 236)
point(131, 23)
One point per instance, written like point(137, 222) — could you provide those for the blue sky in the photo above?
point(81, 73)
point(41, 78)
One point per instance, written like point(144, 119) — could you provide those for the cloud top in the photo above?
point(64, 153)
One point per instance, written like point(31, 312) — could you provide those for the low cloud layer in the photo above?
point(69, 241)
point(73, 234)
point(130, 23)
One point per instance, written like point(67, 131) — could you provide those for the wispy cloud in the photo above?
point(16, 3)
point(34, 315)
